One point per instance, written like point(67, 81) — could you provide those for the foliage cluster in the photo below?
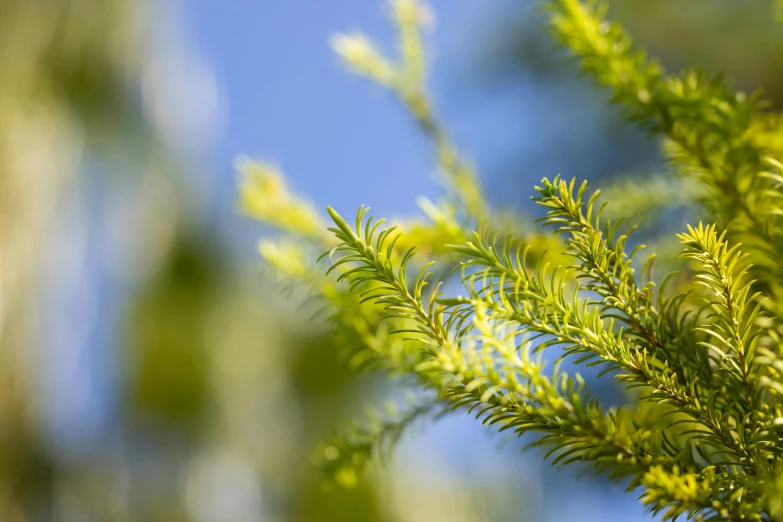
point(700, 348)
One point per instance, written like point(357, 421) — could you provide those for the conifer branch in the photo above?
point(543, 308)
point(732, 337)
point(488, 377)
point(609, 272)
point(404, 77)
point(707, 443)
point(709, 128)
point(345, 455)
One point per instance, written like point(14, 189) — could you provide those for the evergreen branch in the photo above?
point(404, 77)
point(343, 457)
point(687, 109)
point(504, 286)
point(370, 256)
point(489, 376)
point(646, 198)
point(609, 273)
point(732, 337)
point(362, 334)
point(709, 128)
point(606, 52)
point(768, 199)
point(705, 496)
point(603, 261)
point(714, 372)
point(264, 196)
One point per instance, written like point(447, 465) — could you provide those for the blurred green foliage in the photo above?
point(167, 354)
point(210, 358)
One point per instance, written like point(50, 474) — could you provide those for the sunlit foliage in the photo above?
point(702, 436)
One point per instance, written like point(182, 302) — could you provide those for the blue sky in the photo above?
point(340, 140)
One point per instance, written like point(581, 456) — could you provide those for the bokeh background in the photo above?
point(148, 371)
